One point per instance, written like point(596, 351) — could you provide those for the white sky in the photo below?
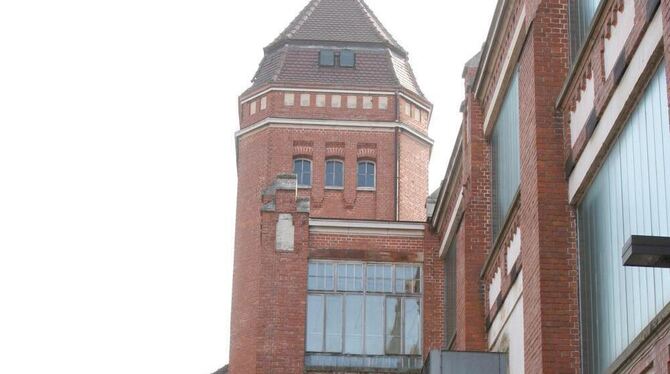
point(117, 168)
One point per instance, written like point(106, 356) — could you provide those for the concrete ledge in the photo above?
point(366, 228)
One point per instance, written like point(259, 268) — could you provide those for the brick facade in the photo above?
point(310, 112)
point(372, 114)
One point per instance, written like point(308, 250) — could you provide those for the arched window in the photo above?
point(302, 168)
point(366, 175)
point(334, 174)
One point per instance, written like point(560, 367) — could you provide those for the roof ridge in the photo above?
point(308, 12)
point(379, 26)
point(296, 23)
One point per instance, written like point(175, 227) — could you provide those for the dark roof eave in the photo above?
point(272, 47)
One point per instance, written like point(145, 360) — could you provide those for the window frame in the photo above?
point(311, 172)
point(325, 182)
point(401, 298)
point(353, 59)
point(322, 54)
point(374, 176)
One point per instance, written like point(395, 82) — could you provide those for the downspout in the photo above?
point(397, 152)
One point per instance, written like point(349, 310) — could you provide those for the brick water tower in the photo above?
point(335, 269)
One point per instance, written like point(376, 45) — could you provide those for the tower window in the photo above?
point(334, 174)
point(344, 59)
point(347, 59)
point(366, 175)
point(302, 168)
point(327, 58)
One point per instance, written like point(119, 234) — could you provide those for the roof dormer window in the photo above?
point(347, 59)
point(327, 58)
point(344, 58)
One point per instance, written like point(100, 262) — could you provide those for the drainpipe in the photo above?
point(397, 155)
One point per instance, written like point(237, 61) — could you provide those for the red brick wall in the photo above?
point(245, 301)
point(267, 329)
point(283, 293)
point(413, 181)
point(549, 257)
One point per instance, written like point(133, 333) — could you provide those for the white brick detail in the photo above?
point(336, 101)
point(582, 110)
point(514, 250)
point(494, 287)
point(618, 35)
point(304, 99)
point(289, 99)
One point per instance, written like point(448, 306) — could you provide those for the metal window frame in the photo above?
point(401, 296)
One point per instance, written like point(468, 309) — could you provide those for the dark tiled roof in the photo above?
point(293, 58)
point(223, 370)
point(375, 68)
point(337, 21)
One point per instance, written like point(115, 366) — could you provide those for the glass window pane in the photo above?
point(353, 324)
point(314, 341)
point(350, 277)
point(334, 173)
point(374, 325)
point(412, 326)
point(379, 278)
point(339, 178)
point(333, 323)
point(347, 58)
point(327, 58)
point(393, 325)
point(408, 279)
point(303, 171)
point(320, 276)
point(366, 174)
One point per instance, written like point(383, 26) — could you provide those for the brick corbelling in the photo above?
point(605, 85)
point(277, 109)
point(549, 259)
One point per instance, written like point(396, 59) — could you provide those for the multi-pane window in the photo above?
point(321, 276)
point(334, 174)
point(629, 195)
point(364, 309)
point(582, 13)
point(408, 278)
point(366, 174)
point(302, 168)
point(506, 162)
